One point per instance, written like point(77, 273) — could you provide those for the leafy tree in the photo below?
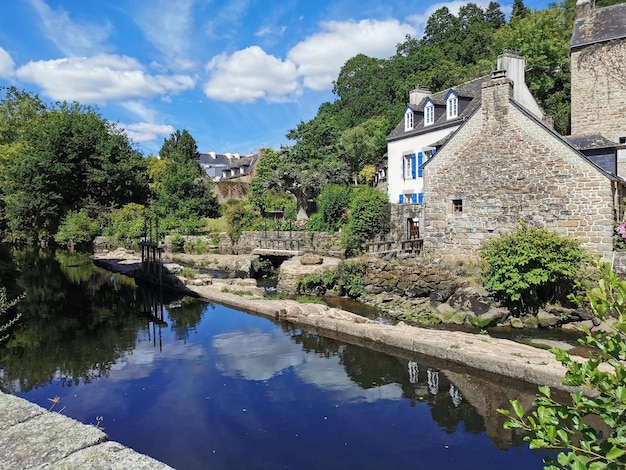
point(494, 15)
point(589, 431)
point(369, 216)
point(363, 144)
point(532, 266)
point(519, 11)
point(67, 158)
point(181, 189)
point(543, 38)
point(241, 216)
point(128, 223)
point(180, 146)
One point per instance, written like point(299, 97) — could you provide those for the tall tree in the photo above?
point(519, 11)
point(180, 145)
point(69, 159)
point(494, 15)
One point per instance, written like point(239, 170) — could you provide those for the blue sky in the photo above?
point(236, 74)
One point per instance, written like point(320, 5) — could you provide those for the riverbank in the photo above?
point(480, 352)
point(33, 437)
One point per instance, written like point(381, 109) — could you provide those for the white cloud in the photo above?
point(321, 56)
point(269, 31)
point(69, 37)
point(141, 132)
point(168, 25)
point(249, 75)
point(7, 66)
point(99, 79)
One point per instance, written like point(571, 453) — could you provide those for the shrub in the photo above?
point(128, 223)
point(332, 204)
point(5, 307)
point(567, 427)
point(531, 266)
point(350, 279)
point(241, 216)
point(369, 216)
point(77, 227)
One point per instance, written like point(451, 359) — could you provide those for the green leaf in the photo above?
point(517, 407)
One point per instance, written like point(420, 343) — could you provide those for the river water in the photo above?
point(200, 385)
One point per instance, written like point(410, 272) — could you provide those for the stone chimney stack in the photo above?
point(496, 94)
point(418, 94)
point(583, 9)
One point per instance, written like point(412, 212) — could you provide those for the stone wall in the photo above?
point(400, 213)
point(309, 242)
point(599, 90)
point(503, 166)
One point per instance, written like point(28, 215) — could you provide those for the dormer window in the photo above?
point(429, 113)
point(408, 119)
point(452, 105)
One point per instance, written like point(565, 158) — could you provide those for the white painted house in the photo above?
point(430, 119)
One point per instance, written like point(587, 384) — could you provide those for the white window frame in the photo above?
point(429, 113)
point(452, 105)
point(408, 120)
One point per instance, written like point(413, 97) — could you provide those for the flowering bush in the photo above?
point(300, 223)
point(619, 237)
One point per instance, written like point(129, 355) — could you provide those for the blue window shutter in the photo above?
point(420, 198)
point(433, 151)
point(402, 163)
point(401, 198)
point(414, 198)
point(420, 160)
point(413, 166)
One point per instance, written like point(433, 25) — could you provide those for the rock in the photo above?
point(311, 259)
point(492, 317)
point(546, 319)
point(172, 268)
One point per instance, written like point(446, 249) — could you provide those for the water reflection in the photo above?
point(208, 378)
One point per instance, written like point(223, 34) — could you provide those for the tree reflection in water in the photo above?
point(81, 323)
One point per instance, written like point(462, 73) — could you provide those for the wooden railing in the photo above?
point(382, 247)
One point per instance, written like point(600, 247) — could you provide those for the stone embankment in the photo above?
point(481, 352)
point(430, 292)
point(33, 437)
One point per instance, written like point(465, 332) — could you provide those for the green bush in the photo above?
point(77, 227)
point(600, 442)
point(332, 204)
point(178, 243)
point(128, 223)
point(532, 266)
point(350, 279)
point(369, 216)
point(241, 216)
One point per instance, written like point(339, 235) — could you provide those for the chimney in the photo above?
point(418, 94)
point(496, 94)
point(514, 66)
point(583, 9)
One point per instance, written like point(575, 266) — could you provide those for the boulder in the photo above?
point(311, 259)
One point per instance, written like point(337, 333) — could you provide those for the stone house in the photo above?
point(503, 164)
point(429, 119)
point(598, 71)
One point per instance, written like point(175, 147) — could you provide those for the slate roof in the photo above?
point(604, 24)
point(469, 94)
point(589, 142)
point(209, 159)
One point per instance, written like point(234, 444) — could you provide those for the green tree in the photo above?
point(518, 11)
point(69, 158)
point(589, 431)
point(180, 146)
point(181, 190)
point(363, 144)
point(8, 317)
